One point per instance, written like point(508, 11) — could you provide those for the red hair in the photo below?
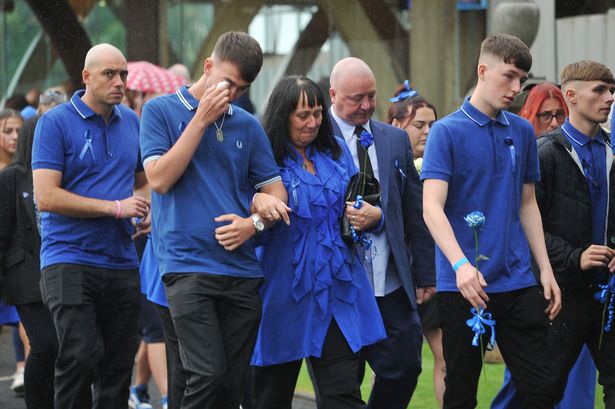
point(536, 97)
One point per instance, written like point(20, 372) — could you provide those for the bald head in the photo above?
point(104, 74)
point(349, 68)
point(353, 91)
point(181, 70)
point(101, 53)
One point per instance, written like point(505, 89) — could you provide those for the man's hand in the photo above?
point(471, 282)
point(142, 226)
point(270, 208)
point(424, 294)
point(233, 235)
point(552, 293)
point(596, 256)
point(134, 206)
point(363, 218)
point(213, 103)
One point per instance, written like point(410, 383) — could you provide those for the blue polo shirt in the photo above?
point(97, 160)
point(221, 178)
point(592, 156)
point(486, 162)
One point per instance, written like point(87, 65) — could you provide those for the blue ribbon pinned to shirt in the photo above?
point(478, 322)
point(408, 93)
point(88, 146)
point(511, 149)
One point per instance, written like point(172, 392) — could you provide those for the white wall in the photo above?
point(570, 39)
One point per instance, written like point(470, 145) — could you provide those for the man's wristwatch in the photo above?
point(258, 224)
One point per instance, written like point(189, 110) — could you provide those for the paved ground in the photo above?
point(9, 400)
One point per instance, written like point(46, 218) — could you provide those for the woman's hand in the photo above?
point(270, 208)
point(365, 217)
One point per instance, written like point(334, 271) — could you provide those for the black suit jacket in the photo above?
point(411, 244)
point(19, 239)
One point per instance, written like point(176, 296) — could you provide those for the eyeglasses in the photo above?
point(547, 116)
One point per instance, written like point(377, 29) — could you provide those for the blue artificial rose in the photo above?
point(366, 139)
point(475, 220)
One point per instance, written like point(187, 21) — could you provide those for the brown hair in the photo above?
point(241, 50)
point(509, 48)
point(586, 70)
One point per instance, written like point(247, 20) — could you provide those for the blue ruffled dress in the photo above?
point(311, 275)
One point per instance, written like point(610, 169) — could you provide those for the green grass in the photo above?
point(423, 397)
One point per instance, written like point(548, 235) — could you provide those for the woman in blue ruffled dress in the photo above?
point(317, 301)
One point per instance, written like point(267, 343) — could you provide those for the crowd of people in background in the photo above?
point(179, 237)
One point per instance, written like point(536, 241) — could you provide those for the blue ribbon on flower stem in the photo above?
point(606, 296)
point(359, 238)
point(478, 322)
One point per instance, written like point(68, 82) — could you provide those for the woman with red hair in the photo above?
point(544, 108)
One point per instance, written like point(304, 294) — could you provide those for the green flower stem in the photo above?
point(363, 174)
point(482, 349)
point(606, 303)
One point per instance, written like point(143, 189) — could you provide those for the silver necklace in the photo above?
point(219, 133)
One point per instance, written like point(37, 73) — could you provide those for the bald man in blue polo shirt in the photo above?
point(85, 170)
point(204, 159)
point(482, 158)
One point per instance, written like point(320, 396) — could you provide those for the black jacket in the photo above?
point(19, 239)
point(564, 201)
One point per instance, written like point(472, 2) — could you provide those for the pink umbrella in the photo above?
point(146, 77)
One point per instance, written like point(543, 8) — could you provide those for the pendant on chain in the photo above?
point(219, 135)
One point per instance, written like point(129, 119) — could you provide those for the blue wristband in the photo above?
point(459, 263)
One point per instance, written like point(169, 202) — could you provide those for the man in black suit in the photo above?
point(400, 261)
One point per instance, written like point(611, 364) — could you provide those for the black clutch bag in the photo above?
point(370, 190)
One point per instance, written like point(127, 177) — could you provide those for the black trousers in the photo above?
point(216, 320)
point(176, 377)
point(580, 322)
point(95, 312)
point(40, 363)
point(521, 334)
point(396, 360)
point(335, 377)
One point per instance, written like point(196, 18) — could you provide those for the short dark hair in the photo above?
point(242, 50)
point(282, 103)
point(586, 70)
point(23, 153)
point(509, 48)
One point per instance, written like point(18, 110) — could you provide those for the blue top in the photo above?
point(97, 160)
point(8, 314)
point(592, 155)
point(151, 281)
point(311, 275)
point(220, 179)
point(485, 162)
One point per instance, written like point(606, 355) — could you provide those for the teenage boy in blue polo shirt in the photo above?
point(481, 158)
point(85, 167)
point(205, 159)
point(573, 196)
